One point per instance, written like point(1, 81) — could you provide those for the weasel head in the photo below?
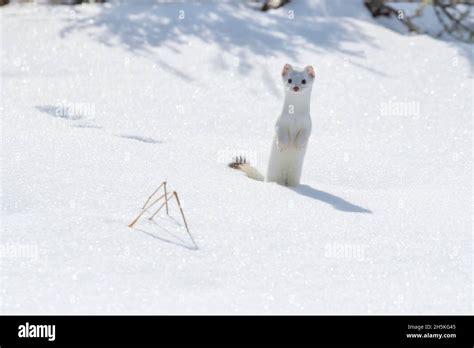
point(297, 80)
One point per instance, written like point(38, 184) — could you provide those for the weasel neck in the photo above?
point(297, 103)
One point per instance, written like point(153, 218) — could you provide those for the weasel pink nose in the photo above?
point(296, 89)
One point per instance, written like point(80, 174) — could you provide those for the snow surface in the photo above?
point(100, 104)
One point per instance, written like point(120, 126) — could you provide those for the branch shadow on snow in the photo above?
point(234, 27)
point(166, 235)
point(337, 202)
point(180, 243)
point(139, 138)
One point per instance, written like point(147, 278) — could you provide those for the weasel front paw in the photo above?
point(301, 139)
point(301, 143)
point(282, 138)
point(281, 145)
point(300, 146)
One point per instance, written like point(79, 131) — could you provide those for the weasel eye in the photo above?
point(290, 80)
point(303, 82)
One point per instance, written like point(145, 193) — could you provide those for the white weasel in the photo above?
point(292, 131)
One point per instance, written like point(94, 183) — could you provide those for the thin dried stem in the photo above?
point(149, 198)
point(161, 206)
point(166, 200)
point(167, 196)
point(184, 219)
point(145, 210)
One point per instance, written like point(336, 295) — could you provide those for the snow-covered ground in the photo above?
point(100, 104)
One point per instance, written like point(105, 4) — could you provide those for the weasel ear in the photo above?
point(310, 70)
point(286, 69)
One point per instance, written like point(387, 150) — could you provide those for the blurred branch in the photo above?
point(454, 19)
point(75, 2)
point(454, 15)
point(381, 8)
point(273, 4)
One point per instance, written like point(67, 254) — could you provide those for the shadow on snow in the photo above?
point(235, 28)
point(337, 202)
